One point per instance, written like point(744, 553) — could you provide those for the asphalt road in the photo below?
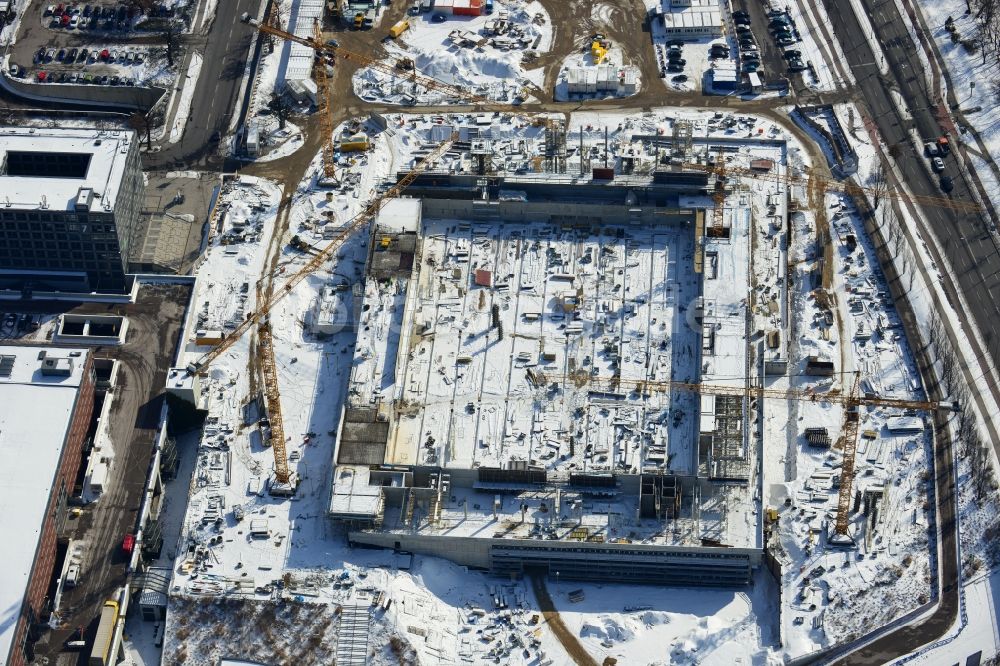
point(225, 54)
point(964, 238)
point(155, 320)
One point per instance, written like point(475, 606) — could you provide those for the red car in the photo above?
point(128, 544)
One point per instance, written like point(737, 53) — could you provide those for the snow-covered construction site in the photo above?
point(608, 350)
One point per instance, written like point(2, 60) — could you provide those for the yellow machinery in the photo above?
point(317, 45)
point(257, 317)
point(399, 28)
point(599, 52)
point(852, 415)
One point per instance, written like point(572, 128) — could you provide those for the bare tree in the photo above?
point(170, 39)
point(897, 245)
point(144, 6)
point(878, 185)
point(140, 122)
point(280, 109)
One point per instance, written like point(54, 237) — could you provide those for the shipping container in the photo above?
point(100, 655)
point(203, 337)
point(356, 143)
point(398, 29)
point(604, 173)
point(467, 7)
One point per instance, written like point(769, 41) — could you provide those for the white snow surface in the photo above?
point(974, 81)
point(651, 625)
point(312, 374)
point(487, 69)
point(187, 95)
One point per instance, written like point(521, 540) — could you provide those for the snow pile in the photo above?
point(650, 625)
point(607, 630)
point(493, 66)
point(183, 112)
point(465, 68)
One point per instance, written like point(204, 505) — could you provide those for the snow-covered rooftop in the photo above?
point(92, 163)
point(36, 415)
point(499, 314)
point(501, 345)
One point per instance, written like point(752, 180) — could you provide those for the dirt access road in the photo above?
point(567, 638)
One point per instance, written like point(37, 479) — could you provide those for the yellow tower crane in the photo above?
point(852, 415)
point(324, 107)
point(257, 318)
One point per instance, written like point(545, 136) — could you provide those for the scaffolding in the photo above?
point(722, 452)
point(683, 138)
point(555, 146)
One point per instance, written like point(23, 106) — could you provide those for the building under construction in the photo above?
point(513, 401)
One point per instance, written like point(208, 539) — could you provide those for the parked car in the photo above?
point(49, 10)
point(14, 70)
point(61, 55)
point(791, 53)
point(71, 56)
point(741, 13)
point(675, 67)
point(931, 149)
point(784, 41)
point(796, 65)
point(439, 18)
point(42, 76)
point(947, 184)
point(937, 164)
point(680, 78)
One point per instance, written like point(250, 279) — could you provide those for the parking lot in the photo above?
point(101, 44)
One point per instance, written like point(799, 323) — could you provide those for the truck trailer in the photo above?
point(100, 655)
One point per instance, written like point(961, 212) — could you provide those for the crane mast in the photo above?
point(273, 399)
point(323, 106)
point(317, 260)
point(852, 401)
